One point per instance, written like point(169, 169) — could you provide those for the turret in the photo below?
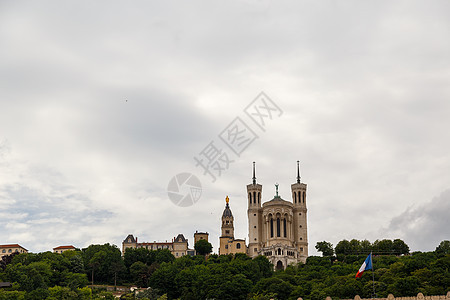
point(300, 214)
point(254, 192)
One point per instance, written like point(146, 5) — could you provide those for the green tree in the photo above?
point(61, 293)
point(383, 247)
point(140, 273)
point(399, 247)
point(325, 247)
point(343, 247)
point(366, 247)
point(355, 247)
point(443, 248)
point(203, 247)
point(274, 285)
point(98, 260)
point(133, 255)
point(163, 255)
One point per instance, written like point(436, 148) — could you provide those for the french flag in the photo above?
point(367, 265)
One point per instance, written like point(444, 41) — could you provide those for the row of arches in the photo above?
point(299, 196)
point(256, 197)
point(279, 251)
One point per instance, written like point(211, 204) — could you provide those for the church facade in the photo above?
point(278, 228)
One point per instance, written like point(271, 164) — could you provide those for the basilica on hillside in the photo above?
point(277, 228)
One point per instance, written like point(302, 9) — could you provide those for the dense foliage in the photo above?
point(383, 247)
point(203, 247)
point(66, 276)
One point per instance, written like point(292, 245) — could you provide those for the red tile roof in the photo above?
point(64, 247)
point(12, 246)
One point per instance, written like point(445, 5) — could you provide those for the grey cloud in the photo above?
point(426, 225)
point(363, 86)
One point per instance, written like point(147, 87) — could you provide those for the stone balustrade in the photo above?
point(419, 296)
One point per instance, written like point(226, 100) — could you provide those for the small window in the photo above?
point(301, 249)
point(255, 239)
point(238, 246)
point(254, 215)
point(226, 246)
point(254, 226)
point(299, 214)
point(227, 231)
point(301, 239)
point(300, 226)
point(255, 250)
point(4, 251)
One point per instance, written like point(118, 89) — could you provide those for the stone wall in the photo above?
point(419, 296)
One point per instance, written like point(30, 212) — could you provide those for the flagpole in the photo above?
point(373, 276)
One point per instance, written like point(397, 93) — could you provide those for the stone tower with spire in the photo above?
point(300, 222)
point(254, 213)
point(278, 228)
point(227, 221)
point(228, 244)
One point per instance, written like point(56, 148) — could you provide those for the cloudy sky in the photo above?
point(102, 103)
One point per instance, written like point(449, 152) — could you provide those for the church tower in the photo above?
point(228, 244)
point(227, 221)
point(299, 216)
point(254, 212)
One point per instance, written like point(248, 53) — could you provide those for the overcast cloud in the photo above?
point(102, 103)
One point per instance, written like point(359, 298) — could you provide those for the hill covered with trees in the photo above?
point(66, 276)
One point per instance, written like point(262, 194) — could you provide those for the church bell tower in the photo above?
point(300, 214)
point(254, 213)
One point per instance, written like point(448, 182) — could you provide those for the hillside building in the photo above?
point(278, 228)
point(62, 249)
point(11, 248)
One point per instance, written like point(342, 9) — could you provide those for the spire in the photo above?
point(298, 171)
point(227, 199)
point(254, 176)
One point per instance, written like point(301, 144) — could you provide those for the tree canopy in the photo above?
point(66, 276)
point(203, 247)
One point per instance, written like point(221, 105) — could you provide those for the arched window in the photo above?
point(250, 197)
point(299, 197)
point(295, 197)
point(304, 197)
point(271, 227)
point(259, 197)
point(284, 227)
point(238, 246)
point(254, 197)
point(278, 227)
point(279, 251)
